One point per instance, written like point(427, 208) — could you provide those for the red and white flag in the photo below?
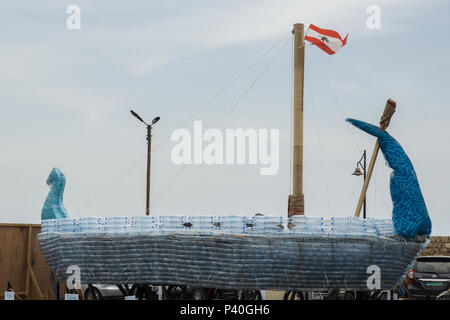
point(328, 40)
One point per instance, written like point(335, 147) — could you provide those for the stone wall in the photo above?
point(439, 246)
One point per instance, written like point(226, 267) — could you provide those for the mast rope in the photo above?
point(126, 172)
point(376, 189)
point(355, 187)
point(225, 88)
point(316, 131)
point(336, 100)
point(201, 108)
point(235, 105)
point(380, 192)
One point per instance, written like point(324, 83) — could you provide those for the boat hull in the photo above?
point(233, 261)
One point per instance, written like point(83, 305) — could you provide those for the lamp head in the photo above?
point(155, 120)
point(357, 172)
point(137, 116)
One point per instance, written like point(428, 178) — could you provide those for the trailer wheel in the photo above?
point(293, 295)
point(251, 295)
point(92, 293)
point(198, 294)
point(351, 295)
point(174, 292)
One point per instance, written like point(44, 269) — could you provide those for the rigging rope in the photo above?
point(167, 186)
point(226, 87)
point(221, 91)
point(336, 100)
point(252, 84)
point(355, 187)
point(109, 186)
point(235, 105)
point(382, 194)
point(376, 189)
point(323, 172)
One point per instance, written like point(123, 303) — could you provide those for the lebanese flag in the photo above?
point(328, 40)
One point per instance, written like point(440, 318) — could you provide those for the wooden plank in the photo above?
point(27, 272)
point(19, 225)
point(13, 257)
point(41, 269)
point(18, 247)
point(35, 282)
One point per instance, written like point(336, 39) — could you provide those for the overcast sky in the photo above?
point(65, 97)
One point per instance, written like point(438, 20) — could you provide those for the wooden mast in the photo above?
point(389, 110)
point(296, 204)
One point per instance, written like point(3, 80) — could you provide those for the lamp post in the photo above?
point(362, 163)
point(149, 151)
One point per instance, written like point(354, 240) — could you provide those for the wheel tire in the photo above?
point(383, 295)
point(350, 295)
point(150, 293)
point(286, 295)
point(292, 295)
point(144, 292)
point(198, 294)
point(215, 294)
point(251, 295)
point(332, 295)
point(92, 293)
point(174, 292)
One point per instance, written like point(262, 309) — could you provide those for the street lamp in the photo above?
point(149, 151)
point(359, 173)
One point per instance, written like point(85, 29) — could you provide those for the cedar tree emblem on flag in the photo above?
point(328, 40)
